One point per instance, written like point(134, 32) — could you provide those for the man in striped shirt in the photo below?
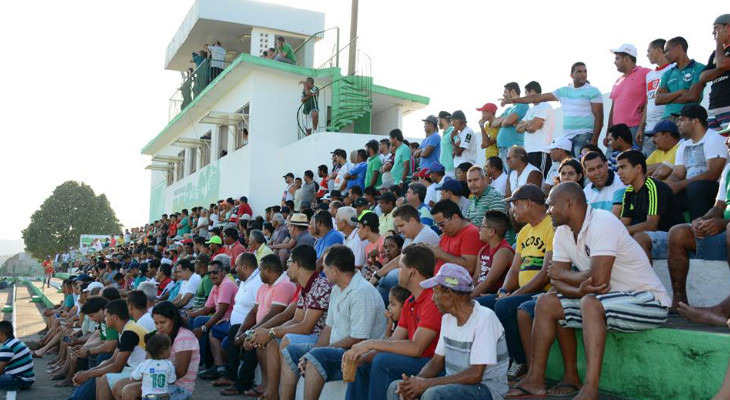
point(16, 363)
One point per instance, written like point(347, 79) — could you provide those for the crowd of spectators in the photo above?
point(410, 272)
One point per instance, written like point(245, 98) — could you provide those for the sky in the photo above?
point(85, 87)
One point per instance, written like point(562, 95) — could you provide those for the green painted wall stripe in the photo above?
point(400, 94)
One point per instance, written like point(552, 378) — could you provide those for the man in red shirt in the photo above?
point(244, 207)
point(459, 242)
point(412, 344)
point(233, 247)
point(48, 270)
point(215, 244)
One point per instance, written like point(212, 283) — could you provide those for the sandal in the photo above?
point(255, 392)
point(556, 392)
point(222, 381)
point(525, 394)
point(230, 391)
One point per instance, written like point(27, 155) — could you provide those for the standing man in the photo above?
point(401, 166)
point(717, 72)
point(484, 198)
point(652, 112)
point(446, 158)
point(507, 122)
point(373, 177)
point(522, 172)
point(290, 188)
point(48, 271)
point(538, 127)
point(605, 191)
point(496, 177)
point(464, 141)
point(429, 151)
point(582, 108)
point(489, 134)
point(628, 93)
point(674, 88)
point(310, 109)
point(217, 59)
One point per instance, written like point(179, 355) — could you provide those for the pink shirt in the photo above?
point(186, 341)
point(280, 293)
point(234, 251)
point(629, 97)
point(223, 293)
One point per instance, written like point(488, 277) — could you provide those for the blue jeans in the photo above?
point(372, 379)
point(87, 391)
point(205, 355)
point(579, 141)
point(386, 283)
point(506, 310)
point(10, 383)
point(98, 359)
point(299, 345)
point(327, 361)
point(448, 392)
point(711, 248)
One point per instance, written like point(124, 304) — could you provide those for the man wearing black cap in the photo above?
point(717, 72)
point(430, 149)
point(665, 137)
point(465, 142)
point(290, 188)
point(698, 163)
point(446, 158)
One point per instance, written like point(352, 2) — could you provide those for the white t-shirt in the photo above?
point(480, 341)
point(357, 246)
point(631, 272)
point(694, 155)
point(653, 111)
point(500, 184)
point(426, 235)
point(218, 56)
point(147, 322)
point(190, 286)
point(155, 376)
point(515, 181)
point(341, 175)
point(431, 194)
point(245, 297)
point(540, 139)
point(468, 142)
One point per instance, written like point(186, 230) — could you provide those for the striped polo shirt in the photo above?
point(18, 359)
point(608, 196)
point(577, 113)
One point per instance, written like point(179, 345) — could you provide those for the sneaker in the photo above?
point(213, 372)
point(516, 370)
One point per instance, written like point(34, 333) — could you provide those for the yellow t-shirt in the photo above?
point(491, 151)
point(660, 157)
point(532, 244)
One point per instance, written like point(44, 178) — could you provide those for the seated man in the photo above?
point(660, 162)
point(471, 349)
point(189, 286)
point(521, 171)
point(412, 344)
point(356, 313)
point(459, 242)
point(16, 363)
point(604, 192)
point(620, 140)
point(495, 257)
point(560, 149)
point(453, 190)
point(484, 197)
point(649, 207)
point(614, 289)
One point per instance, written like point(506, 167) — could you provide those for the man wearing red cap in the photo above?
point(489, 134)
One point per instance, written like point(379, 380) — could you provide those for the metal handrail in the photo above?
point(318, 34)
point(337, 54)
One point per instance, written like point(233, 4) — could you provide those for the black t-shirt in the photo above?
point(128, 340)
point(654, 198)
point(720, 94)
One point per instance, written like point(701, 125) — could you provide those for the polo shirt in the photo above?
point(234, 251)
point(675, 79)
point(373, 166)
point(653, 198)
point(663, 157)
point(316, 296)
point(421, 312)
point(433, 140)
point(329, 239)
point(19, 363)
point(262, 252)
point(246, 297)
point(629, 97)
point(631, 270)
point(576, 104)
point(446, 158)
point(279, 293)
point(224, 293)
point(357, 311)
point(466, 242)
point(720, 92)
point(490, 199)
point(605, 198)
point(508, 135)
point(402, 154)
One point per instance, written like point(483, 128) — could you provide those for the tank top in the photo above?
point(486, 256)
point(515, 181)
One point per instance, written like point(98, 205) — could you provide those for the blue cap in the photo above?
point(664, 126)
point(437, 167)
point(452, 185)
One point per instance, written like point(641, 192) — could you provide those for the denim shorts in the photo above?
point(711, 248)
point(327, 361)
point(659, 244)
point(529, 306)
point(299, 345)
point(178, 393)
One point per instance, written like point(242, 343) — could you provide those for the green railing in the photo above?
point(194, 84)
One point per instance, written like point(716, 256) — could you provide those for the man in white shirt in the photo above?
point(559, 150)
point(191, 280)
point(537, 126)
point(465, 143)
point(348, 228)
point(652, 112)
point(217, 58)
point(614, 289)
point(698, 163)
point(496, 177)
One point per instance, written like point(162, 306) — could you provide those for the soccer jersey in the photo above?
point(653, 198)
point(675, 79)
point(155, 376)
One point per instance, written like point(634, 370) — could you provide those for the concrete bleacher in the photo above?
point(708, 282)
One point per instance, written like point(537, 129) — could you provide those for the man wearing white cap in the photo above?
point(628, 93)
point(559, 150)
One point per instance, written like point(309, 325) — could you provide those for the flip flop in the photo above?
point(566, 394)
point(255, 392)
point(221, 384)
point(526, 394)
point(230, 391)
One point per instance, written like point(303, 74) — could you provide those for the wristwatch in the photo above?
point(204, 328)
point(272, 334)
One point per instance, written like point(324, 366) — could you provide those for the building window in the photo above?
point(205, 150)
point(242, 127)
point(222, 141)
point(170, 173)
point(180, 171)
point(193, 160)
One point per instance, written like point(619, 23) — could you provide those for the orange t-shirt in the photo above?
point(48, 267)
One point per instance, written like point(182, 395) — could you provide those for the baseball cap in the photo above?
point(491, 107)
point(561, 143)
point(323, 206)
point(360, 202)
point(437, 167)
point(452, 185)
point(444, 114)
point(387, 196)
point(422, 173)
point(432, 119)
point(664, 126)
point(288, 175)
point(215, 240)
point(627, 48)
point(694, 111)
point(299, 219)
point(370, 220)
point(452, 276)
point(203, 259)
point(458, 114)
point(724, 19)
point(527, 192)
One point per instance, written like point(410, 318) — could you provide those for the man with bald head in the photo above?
point(614, 289)
point(485, 197)
point(521, 171)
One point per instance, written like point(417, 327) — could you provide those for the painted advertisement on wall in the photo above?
point(200, 189)
point(93, 243)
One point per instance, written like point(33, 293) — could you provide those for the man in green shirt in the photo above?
point(310, 109)
point(674, 87)
point(401, 167)
point(484, 197)
point(446, 157)
point(284, 52)
point(372, 175)
point(206, 285)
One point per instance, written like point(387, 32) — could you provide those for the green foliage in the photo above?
point(72, 210)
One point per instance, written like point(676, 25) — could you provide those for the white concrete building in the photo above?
point(203, 154)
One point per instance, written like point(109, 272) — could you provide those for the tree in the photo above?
point(72, 210)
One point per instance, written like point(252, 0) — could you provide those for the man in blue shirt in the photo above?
point(507, 122)
point(326, 235)
point(356, 175)
point(429, 151)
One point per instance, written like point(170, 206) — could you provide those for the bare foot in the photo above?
point(702, 315)
point(587, 393)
